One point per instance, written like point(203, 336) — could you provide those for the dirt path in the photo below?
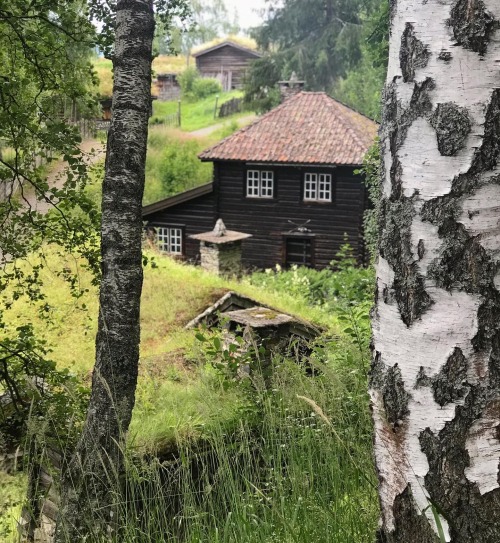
point(93, 151)
point(242, 121)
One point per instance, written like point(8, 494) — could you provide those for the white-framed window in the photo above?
point(169, 239)
point(260, 184)
point(318, 187)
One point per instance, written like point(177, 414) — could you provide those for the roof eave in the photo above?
point(177, 199)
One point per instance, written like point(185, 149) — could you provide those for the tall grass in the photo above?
point(281, 473)
point(254, 464)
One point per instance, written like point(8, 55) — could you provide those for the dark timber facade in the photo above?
point(226, 62)
point(298, 199)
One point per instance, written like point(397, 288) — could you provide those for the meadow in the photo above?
point(217, 460)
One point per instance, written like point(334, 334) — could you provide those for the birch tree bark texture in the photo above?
point(435, 385)
point(91, 481)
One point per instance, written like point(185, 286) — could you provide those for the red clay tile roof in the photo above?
point(308, 128)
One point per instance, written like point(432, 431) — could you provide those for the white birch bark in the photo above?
point(436, 325)
point(91, 482)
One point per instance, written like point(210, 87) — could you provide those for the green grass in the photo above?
point(12, 491)
point(196, 115)
point(172, 163)
point(253, 464)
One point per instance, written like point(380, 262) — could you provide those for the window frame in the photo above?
point(256, 186)
point(312, 183)
point(173, 231)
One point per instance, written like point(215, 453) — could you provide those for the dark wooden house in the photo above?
point(227, 62)
point(287, 179)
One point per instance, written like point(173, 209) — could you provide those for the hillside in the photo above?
point(184, 403)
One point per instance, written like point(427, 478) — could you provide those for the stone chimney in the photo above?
point(220, 250)
point(291, 88)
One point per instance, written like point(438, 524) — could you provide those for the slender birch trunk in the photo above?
point(92, 478)
point(436, 325)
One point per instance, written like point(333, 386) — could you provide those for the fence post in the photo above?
point(216, 104)
point(179, 113)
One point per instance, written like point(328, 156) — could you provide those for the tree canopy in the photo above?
point(323, 42)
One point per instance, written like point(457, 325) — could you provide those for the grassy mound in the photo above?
point(286, 460)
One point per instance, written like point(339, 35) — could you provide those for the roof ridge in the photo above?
point(337, 129)
point(223, 44)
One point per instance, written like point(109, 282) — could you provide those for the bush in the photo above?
point(195, 87)
point(206, 87)
point(173, 166)
point(186, 80)
point(343, 283)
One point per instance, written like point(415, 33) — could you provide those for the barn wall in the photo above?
point(224, 60)
point(268, 220)
point(194, 217)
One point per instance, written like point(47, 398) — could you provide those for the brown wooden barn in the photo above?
point(167, 87)
point(227, 62)
point(287, 179)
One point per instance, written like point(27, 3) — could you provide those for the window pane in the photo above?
point(162, 239)
point(176, 240)
point(169, 240)
point(310, 186)
point(253, 183)
point(325, 187)
point(267, 184)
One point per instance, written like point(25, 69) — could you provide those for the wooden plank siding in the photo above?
point(268, 220)
point(224, 61)
point(194, 217)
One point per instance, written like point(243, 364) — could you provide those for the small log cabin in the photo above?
point(167, 87)
point(288, 179)
point(227, 62)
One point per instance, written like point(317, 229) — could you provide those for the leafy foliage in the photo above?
point(362, 86)
point(35, 390)
point(344, 283)
point(318, 40)
point(194, 87)
point(337, 46)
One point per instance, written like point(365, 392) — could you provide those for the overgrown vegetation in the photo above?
point(194, 87)
point(286, 468)
point(197, 114)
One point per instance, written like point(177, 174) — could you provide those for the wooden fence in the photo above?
point(235, 105)
point(173, 120)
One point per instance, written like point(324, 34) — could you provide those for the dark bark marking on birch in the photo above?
point(445, 56)
point(395, 247)
point(413, 54)
point(472, 25)
point(463, 261)
point(410, 527)
point(395, 397)
point(452, 125)
point(472, 517)
point(450, 385)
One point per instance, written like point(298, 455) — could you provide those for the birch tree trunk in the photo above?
point(436, 325)
point(92, 478)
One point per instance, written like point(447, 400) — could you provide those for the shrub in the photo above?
point(186, 80)
point(343, 283)
point(205, 87)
